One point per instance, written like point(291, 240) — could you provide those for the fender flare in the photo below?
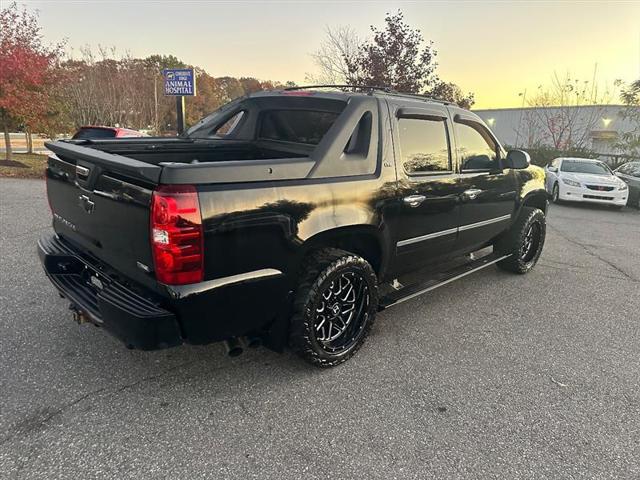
point(538, 198)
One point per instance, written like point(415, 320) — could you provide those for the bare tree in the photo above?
point(111, 90)
point(554, 118)
point(340, 46)
point(396, 56)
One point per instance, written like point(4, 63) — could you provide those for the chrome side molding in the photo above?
point(484, 222)
point(450, 231)
point(429, 236)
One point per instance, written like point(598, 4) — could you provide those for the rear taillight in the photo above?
point(176, 235)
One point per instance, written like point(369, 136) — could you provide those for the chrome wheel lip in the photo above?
point(341, 312)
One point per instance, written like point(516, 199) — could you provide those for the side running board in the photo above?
point(406, 293)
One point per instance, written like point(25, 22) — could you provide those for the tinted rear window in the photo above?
point(299, 126)
point(424, 145)
point(95, 133)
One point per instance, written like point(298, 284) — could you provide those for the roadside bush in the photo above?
point(542, 155)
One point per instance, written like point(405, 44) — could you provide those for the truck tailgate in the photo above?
point(101, 203)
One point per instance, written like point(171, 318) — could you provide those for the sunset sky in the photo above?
point(494, 49)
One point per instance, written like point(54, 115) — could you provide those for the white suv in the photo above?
point(584, 180)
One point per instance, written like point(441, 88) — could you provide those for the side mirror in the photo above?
point(517, 159)
point(552, 169)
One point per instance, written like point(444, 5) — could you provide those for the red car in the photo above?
point(92, 131)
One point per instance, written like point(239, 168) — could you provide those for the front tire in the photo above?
point(555, 193)
point(334, 307)
point(523, 241)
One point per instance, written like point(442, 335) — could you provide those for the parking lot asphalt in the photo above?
point(493, 376)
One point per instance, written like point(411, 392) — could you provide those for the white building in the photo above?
point(595, 127)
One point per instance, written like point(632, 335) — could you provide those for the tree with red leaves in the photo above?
point(396, 57)
point(27, 70)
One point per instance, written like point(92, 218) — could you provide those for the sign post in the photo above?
point(181, 114)
point(179, 82)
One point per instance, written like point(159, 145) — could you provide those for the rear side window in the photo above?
point(94, 133)
point(298, 126)
point(476, 148)
point(424, 145)
point(229, 126)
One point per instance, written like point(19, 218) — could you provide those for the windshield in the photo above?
point(577, 166)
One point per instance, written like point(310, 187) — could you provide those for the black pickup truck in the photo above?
point(285, 218)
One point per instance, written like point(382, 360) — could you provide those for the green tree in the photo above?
point(451, 92)
point(629, 142)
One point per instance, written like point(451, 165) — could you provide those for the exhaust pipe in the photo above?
point(78, 316)
point(233, 347)
point(252, 342)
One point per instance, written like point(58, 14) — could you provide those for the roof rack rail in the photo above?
point(374, 88)
point(355, 87)
point(420, 96)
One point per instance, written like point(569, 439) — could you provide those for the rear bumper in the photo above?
point(202, 313)
point(136, 320)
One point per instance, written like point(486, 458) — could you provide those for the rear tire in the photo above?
point(334, 307)
point(523, 241)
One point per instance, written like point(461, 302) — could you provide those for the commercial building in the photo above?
point(594, 127)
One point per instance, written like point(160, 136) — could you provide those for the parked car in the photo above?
point(283, 217)
point(584, 180)
point(630, 174)
point(93, 132)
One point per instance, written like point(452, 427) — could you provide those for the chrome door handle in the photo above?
point(414, 200)
point(472, 193)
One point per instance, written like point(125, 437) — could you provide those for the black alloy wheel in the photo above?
point(530, 242)
point(334, 308)
point(523, 242)
point(341, 312)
